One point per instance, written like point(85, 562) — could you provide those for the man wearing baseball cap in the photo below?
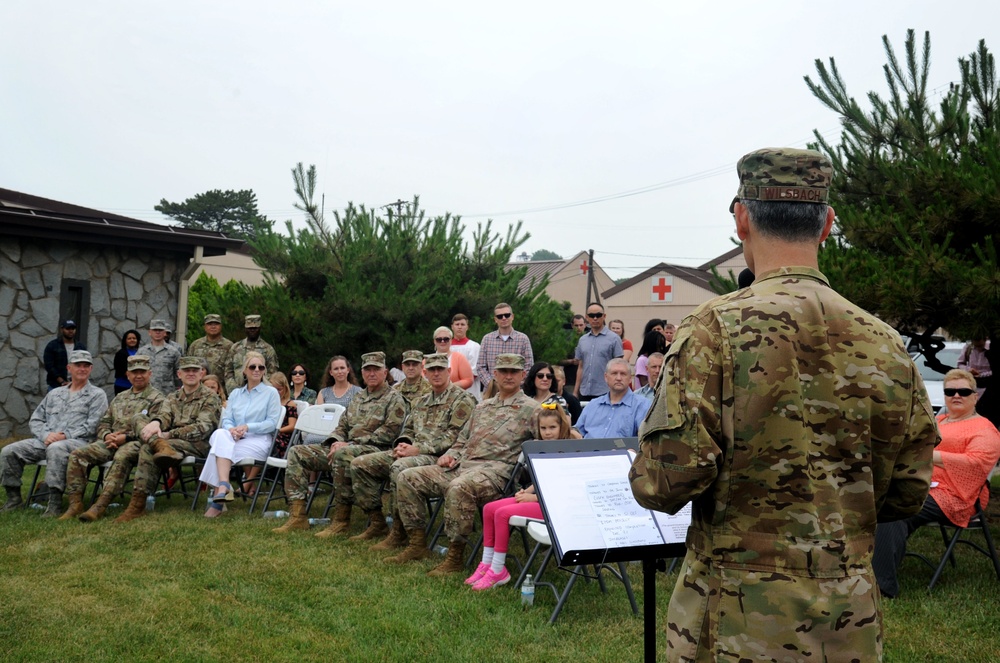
point(472, 472)
point(415, 385)
point(213, 346)
point(793, 421)
point(56, 354)
point(65, 420)
point(238, 351)
point(164, 358)
point(371, 423)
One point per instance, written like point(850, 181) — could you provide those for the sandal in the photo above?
point(215, 509)
point(226, 496)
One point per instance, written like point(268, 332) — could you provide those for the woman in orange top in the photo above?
point(458, 365)
point(968, 452)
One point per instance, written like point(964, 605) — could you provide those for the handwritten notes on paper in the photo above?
point(620, 518)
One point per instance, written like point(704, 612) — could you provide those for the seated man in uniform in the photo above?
point(473, 472)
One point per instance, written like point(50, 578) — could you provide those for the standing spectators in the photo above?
point(668, 333)
point(618, 327)
point(300, 385)
point(505, 340)
point(594, 351)
point(213, 346)
point(653, 365)
point(130, 346)
point(571, 363)
point(654, 324)
point(164, 359)
point(653, 343)
point(57, 352)
point(460, 371)
point(462, 344)
point(617, 413)
point(974, 360)
point(237, 353)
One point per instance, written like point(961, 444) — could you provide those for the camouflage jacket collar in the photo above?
point(797, 271)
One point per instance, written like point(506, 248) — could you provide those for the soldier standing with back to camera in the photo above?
point(794, 421)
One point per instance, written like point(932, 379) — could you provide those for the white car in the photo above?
point(934, 381)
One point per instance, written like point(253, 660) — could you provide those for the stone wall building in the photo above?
point(109, 273)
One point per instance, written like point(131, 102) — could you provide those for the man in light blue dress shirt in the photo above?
point(617, 413)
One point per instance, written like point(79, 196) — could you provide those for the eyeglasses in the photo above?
point(256, 367)
point(503, 316)
point(595, 316)
point(298, 372)
point(443, 339)
point(964, 393)
point(544, 376)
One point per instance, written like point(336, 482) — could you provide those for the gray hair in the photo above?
point(655, 355)
point(617, 360)
point(790, 222)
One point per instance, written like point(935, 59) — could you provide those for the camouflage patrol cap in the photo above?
point(138, 363)
point(251, 321)
point(80, 357)
point(784, 175)
point(436, 360)
point(510, 361)
point(373, 359)
point(412, 355)
point(213, 317)
point(158, 323)
point(190, 362)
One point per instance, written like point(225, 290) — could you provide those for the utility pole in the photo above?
point(591, 283)
point(398, 205)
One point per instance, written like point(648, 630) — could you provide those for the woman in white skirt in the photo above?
point(252, 415)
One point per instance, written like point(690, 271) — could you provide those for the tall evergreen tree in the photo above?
point(231, 212)
point(916, 190)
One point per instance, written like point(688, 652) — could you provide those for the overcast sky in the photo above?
point(511, 111)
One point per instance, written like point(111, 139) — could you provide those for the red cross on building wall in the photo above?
point(584, 267)
point(662, 289)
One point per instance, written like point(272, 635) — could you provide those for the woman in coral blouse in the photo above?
point(968, 452)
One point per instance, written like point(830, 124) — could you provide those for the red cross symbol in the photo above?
point(584, 267)
point(661, 289)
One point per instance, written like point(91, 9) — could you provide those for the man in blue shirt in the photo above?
point(617, 413)
point(653, 365)
point(594, 350)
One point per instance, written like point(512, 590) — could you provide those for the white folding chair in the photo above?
point(315, 420)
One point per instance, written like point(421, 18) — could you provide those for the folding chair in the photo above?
point(978, 523)
point(314, 419)
point(539, 531)
point(44, 494)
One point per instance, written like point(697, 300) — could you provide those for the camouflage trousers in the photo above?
point(305, 458)
point(465, 491)
point(370, 470)
point(14, 457)
point(81, 460)
point(147, 473)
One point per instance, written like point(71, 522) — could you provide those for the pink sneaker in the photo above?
point(480, 572)
point(492, 580)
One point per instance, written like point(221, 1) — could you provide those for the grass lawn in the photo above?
point(175, 586)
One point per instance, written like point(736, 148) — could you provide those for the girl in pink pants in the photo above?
point(553, 424)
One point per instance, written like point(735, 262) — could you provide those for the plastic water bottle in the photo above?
point(319, 521)
point(275, 514)
point(528, 591)
point(150, 503)
point(441, 550)
point(36, 505)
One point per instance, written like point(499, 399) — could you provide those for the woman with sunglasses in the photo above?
point(249, 422)
point(968, 452)
point(300, 385)
point(458, 365)
point(541, 385)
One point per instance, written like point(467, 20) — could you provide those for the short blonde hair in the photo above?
point(443, 330)
point(960, 374)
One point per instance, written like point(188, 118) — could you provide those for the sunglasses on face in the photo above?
point(544, 376)
point(443, 339)
point(255, 367)
point(503, 316)
point(298, 372)
point(595, 316)
point(964, 393)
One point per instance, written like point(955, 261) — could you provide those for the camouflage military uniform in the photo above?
point(793, 420)
point(486, 451)
point(187, 421)
point(413, 392)
point(237, 354)
point(128, 413)
point(75, 414)
point(432, 427)
point(371, 423)
point(215, 353)
point(163, 365)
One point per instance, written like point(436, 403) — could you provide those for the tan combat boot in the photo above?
point(297, 520)
point(376, 529)
point(417, 548)
point(396, 538)
point(164, 455)
point(136, 507)
point(75, 507)
point(97, 510)
point(453, 562)
point(340, 523)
